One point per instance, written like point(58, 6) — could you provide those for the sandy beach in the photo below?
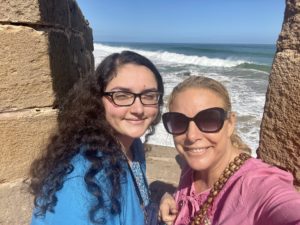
point(163, 170)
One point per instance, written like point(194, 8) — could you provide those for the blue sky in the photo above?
point(185, 21)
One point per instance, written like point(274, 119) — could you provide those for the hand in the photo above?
point(167, 209)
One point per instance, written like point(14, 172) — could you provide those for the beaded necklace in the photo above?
point(201, 216)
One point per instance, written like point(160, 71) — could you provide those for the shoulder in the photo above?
point(81, 164)
point(270, 191)
point(254, 170)
point(73, 199)
point(76, 179)
point(260, 182)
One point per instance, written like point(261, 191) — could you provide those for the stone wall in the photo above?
point(45, 47)
point(280, 128)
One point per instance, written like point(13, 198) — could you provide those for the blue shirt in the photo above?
point(74, 201)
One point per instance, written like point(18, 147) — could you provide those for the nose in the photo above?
point(137, 106)
point(193, 133)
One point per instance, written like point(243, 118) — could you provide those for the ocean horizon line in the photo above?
point(200, 43)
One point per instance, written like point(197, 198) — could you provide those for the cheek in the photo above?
point(155, 112)
point(179, 141)
point(112, 111)
point(179, 144)
point(214, 137)
point(219, 139)
point(151, 113)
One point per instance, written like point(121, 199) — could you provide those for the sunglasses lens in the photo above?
point(210, 120)
point(175, 123)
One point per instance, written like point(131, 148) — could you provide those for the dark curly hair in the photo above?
point(81, 122)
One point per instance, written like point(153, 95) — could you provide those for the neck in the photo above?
point(126, 147)
point(205, 179)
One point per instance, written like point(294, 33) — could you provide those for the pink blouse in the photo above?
point(257, 194)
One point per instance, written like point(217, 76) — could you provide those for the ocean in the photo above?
point(242, 68)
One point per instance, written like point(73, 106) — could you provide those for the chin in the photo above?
point(136, 134)
point(197, 165)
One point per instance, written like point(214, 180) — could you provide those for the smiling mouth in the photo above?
point(197, 150)
point(137, 121)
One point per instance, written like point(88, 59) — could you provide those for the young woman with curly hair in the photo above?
point(93, 169)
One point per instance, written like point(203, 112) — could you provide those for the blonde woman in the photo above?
point(222, 184)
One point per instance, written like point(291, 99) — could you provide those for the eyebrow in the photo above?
point(129, 90)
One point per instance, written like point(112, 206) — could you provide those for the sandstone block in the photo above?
point(39, 67)
point(88, 37)
point(280, 128)
point(63, 70)
point(42, 12)
point(54, 12)
point(77, 19)
point(290, 33)
point(69, 60)
point(15, 203)
point(25, 75)
point(22, 135)
point(19, 10)
point(289, 36)
point(82, 58)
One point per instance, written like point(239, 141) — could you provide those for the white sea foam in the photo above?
point(170, 57)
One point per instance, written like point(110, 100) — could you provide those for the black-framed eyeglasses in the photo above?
point(209, 121)
point(126, 98)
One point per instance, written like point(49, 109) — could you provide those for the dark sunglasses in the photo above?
point(209, 121)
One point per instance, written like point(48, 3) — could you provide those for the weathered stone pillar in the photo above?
point(280, 128)
point(45, 46)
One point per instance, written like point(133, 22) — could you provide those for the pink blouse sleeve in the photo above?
point(270, 197)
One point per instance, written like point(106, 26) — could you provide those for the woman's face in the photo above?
point(131, 121)
point(202, 151)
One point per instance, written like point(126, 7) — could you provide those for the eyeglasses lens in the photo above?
point(121, 98)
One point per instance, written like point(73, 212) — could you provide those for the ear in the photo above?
point(231, 123)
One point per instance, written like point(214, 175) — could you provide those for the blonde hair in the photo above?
point(202, 82)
